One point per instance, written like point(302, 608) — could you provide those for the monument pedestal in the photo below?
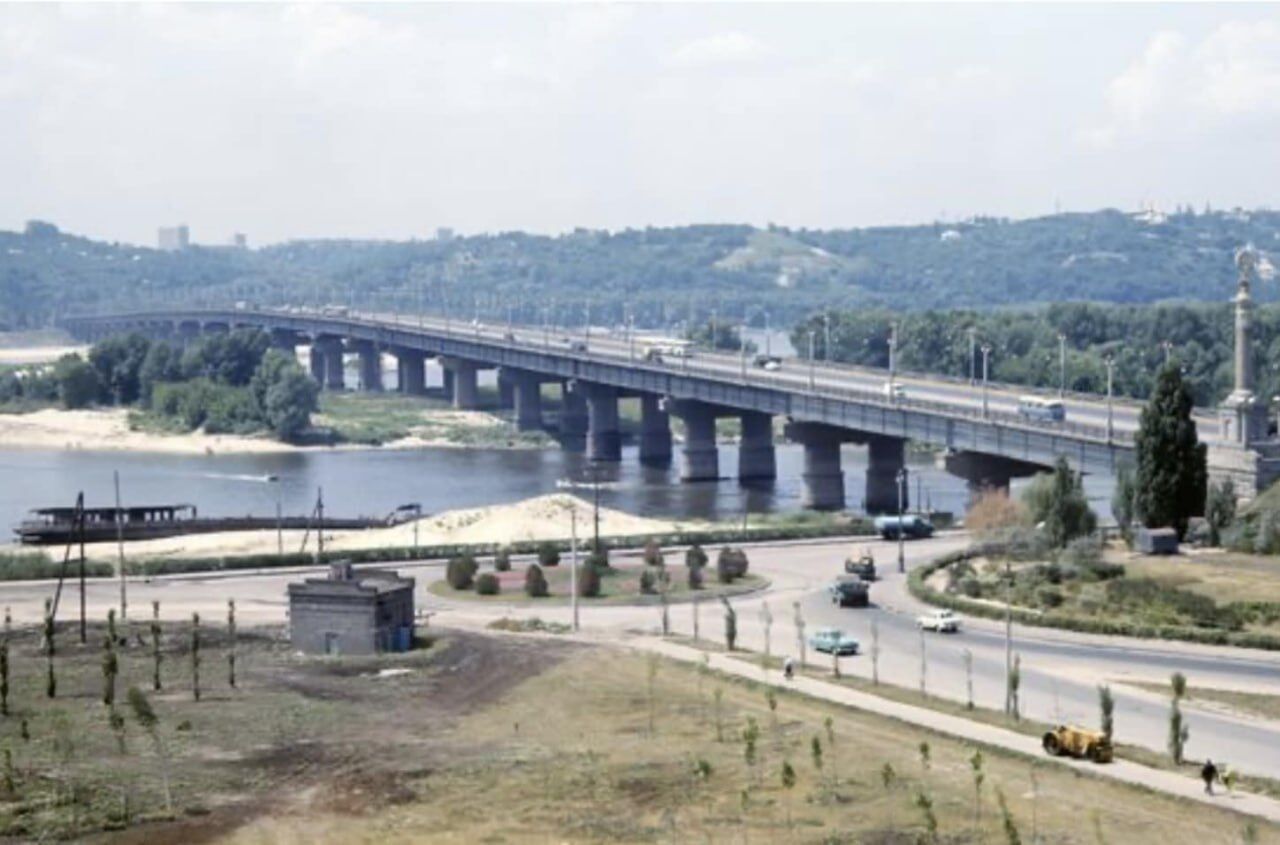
point(1243, 418)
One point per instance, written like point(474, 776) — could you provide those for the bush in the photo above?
point(695, 578)
point(695, 557)
point(535, 583)
point(731, 564)
point(548, 554)
point(588, 581)
point(502, 560)
point(460, 572)
point(597, 560)
point(653, 554)
point(487, 585)
point(648, 582)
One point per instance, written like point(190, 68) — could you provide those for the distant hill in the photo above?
point(663, 274)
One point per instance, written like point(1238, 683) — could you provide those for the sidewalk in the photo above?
point(1165, 782)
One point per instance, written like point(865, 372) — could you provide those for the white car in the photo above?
point(893, 390)
point(942, 621)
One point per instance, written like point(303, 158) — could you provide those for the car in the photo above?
point(893, 390)
point(943, 621)
point(833, 641)
point(911, 526)
point(768, 362)
point(864, 567)
point(849, 591)
point(577, 346)
point(509, 336)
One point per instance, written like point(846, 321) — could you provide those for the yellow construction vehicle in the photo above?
point(1079, 743)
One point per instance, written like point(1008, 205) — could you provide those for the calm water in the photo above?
point(374, 482)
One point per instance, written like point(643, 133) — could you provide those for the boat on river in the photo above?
point(61, 525)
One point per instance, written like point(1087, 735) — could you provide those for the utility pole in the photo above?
point(1008, 635)
point(812, 386)
point(826, 340)
point(973, 355)
point(742, 349)
point(319, 525)
point(986, 360)
point(573, 564)
point(768, 339)
point(714, 345)
point(1110, 362)
point(1062, 365)
point(902, 483)
point(124, 598)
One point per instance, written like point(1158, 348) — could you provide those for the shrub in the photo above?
point(597, 560)
point(535, 583)
point(487, 585)
point(502, 560)
point(548, 554)
point(695, 557)
point(653, 554)
point(460, 572)
point(731, 564)
point(648, 582)
point(695, 578)
point(588, 581)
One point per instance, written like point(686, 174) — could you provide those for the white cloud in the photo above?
point(719, 49)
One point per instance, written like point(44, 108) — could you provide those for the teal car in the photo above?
point(832, 641)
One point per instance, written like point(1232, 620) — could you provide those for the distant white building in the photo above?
point(174, 238)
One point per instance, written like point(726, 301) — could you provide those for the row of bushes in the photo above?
point(548, 552)
point(917, 584)
point(30, 566)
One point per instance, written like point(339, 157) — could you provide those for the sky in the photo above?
point(388, 121)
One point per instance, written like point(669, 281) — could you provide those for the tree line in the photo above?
point(223, 383)
point(1024, 345)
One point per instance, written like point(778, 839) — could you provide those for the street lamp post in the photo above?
point(714, 345)
point(631, 336)
point(1110, 362)
point(812, 383)
point(986, 360)
point(826, 339)
point(768, 340)
point(973, 355)
point(902, 486)
point(742, 349)
point(1062, 365)
point(893, 353)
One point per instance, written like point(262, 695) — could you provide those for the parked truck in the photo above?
point(1070, 741)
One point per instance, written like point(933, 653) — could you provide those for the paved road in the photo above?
point(1061, 670)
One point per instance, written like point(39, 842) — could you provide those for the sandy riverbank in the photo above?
point(21, 356)
point(107, 429)
point(540, 518)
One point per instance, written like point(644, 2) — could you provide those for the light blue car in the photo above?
point(832, 641)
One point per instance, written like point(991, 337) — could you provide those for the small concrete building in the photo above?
point(352, 612)
point(1157, 541)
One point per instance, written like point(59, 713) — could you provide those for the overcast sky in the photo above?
point(376, 121)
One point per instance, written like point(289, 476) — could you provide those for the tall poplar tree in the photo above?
point(1171, 475)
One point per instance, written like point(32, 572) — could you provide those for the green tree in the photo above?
point(162, 364)
point(1058, 502)
point(1171, 474)
point(1122, 502)
point(290, 401)
point(1220, 509)
point(118, 362)
point(78, 382)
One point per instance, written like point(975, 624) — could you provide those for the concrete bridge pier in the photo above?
point(412, 367)
point(655, 431)
point(460, 383)
point(886, 457)
point(573, 417)
point(604, 440)
point(506, 390)
point(316, 356)
point(526, 398)
point(699, 457)
point(331, 350)
point(447, 381)
point(823, 476)
point(756, 458)
point(370, 365)
point(988, 472)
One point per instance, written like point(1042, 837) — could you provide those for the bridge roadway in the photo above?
point(825, 404)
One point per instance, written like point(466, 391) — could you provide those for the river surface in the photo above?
point(374, 482)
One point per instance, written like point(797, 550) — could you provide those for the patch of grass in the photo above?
point(150, 422)
point(1255, 704)
point(378, 418)
point(527, 626)
point(570, 755)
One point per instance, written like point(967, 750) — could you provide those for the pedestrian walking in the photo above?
point(1208, 773)
point(788, 668)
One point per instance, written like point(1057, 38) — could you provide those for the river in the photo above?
point(373, 482)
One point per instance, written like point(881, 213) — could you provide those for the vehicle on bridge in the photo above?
point(1042, 408)
point(893, 390)
point(770, 363)
point(911, 526)
point(334, 311)
point(849, 591)
point(657, 348)
point(864, 567)
point(943, 621)
point(833, 641)
point(1068, 740)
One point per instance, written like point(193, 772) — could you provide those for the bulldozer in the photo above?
point(1078, 742)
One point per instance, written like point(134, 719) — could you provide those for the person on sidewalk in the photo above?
point(1208, 773)
point(788, 668)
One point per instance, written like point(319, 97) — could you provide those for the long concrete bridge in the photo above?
point(987, 441)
